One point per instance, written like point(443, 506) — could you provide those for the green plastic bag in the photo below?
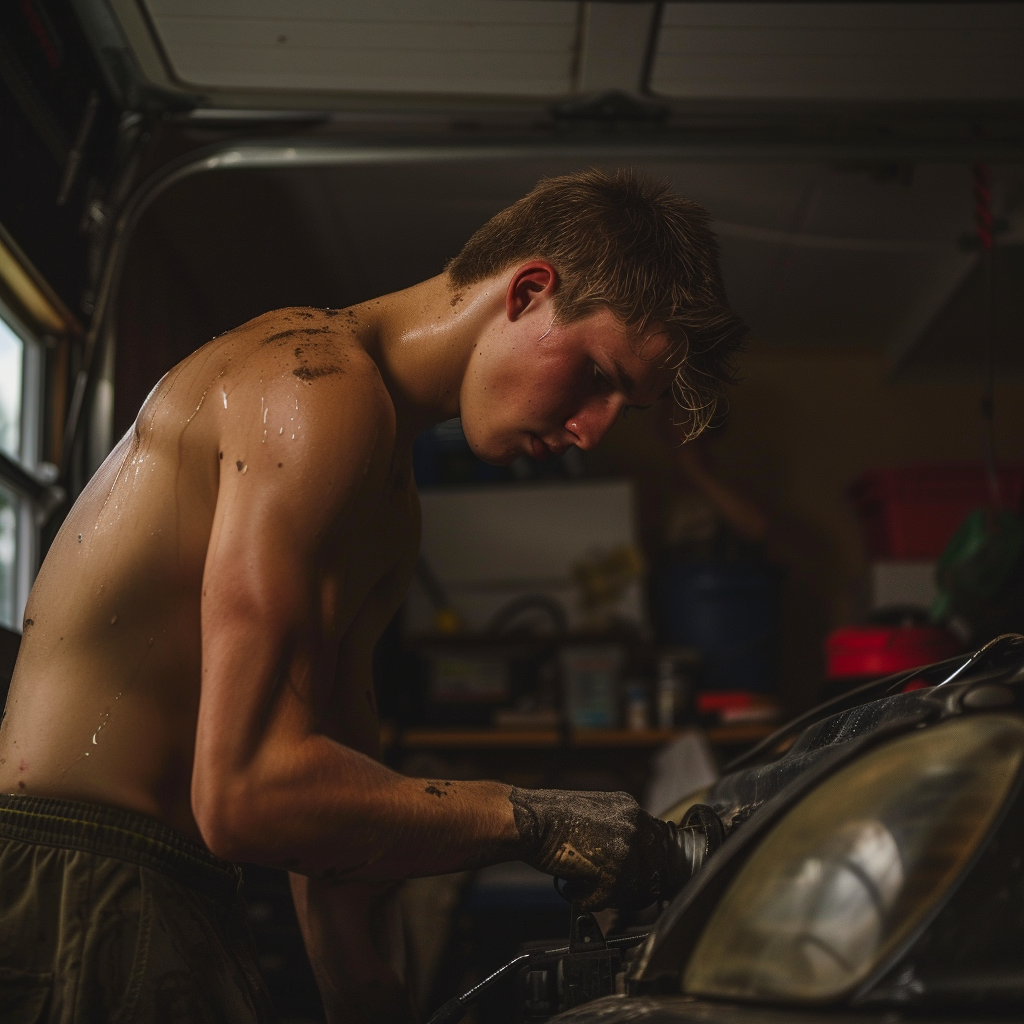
point(977, 562)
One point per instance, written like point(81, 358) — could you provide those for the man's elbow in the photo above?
point(230, 820)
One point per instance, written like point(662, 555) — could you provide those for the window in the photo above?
point(12, 358)
point(20, 404)
point(8, 557)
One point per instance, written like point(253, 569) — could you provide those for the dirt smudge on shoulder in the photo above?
point(311, 373)
point(295, 331)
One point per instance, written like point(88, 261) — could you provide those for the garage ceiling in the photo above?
point(556, 48)
point(841, 51)
point(510, 47)
point(849, 227)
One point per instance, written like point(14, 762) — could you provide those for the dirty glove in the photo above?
point(611, 851)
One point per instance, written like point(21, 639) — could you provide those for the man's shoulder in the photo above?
point(304, 327)
point(322, 355)
point(318, 391)
point(292, 324)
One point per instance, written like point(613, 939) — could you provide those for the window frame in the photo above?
point(20, 474)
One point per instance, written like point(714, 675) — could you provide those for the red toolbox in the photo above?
point(864, 651)
point(913, 511)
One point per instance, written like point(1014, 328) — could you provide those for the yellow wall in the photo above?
point(803, 424)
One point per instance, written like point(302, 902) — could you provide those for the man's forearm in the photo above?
point(321, 809)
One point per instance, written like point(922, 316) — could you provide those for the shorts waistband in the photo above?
point(114, 832)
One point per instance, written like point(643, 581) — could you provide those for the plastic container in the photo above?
point(865, 651)
point(728, 612)
point(670, 693)
point(637, 717)
point(591, 685)
point(912, 511)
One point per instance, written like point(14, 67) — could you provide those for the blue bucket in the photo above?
point(726, 610)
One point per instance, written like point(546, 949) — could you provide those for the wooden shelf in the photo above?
point(455, 739)
point(745, 732)
point(623, 737)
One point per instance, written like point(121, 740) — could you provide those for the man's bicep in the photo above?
point(283, 501)
point(268, 571)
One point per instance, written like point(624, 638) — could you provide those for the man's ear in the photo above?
point(531, 283)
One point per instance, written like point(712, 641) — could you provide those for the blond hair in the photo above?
point(626, 243)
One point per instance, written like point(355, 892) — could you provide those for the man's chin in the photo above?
point(493, 454)
point(497, 459)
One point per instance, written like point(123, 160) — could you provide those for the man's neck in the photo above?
point(422, 338)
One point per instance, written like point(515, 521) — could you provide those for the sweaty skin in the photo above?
point(198, 644)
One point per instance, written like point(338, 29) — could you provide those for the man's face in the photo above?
point(537, 388)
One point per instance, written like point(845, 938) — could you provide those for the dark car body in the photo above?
point(959, 950)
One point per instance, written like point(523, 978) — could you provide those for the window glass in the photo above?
point(8, 559)
point(12, 352)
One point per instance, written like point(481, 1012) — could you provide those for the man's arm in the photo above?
point(284, 560)
point(285, 573)
point(349, 932)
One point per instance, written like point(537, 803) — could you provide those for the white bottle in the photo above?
point(667, 693)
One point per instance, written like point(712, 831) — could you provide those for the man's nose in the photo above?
point(592, 422)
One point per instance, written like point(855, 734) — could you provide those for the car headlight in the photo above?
point(849, 872)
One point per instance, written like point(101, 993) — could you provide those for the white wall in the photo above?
point(489, 545)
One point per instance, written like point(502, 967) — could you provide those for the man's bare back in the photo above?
point(105, 700)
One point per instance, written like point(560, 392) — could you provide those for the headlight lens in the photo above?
point(843, 878)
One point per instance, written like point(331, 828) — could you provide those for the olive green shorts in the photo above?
point(110, 917)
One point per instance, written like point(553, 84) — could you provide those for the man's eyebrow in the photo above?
point(627, 384)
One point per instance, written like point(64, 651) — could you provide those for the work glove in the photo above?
point(610, 851)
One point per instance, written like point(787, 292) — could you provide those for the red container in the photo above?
point(708, 701)
point(913, 511)
point(856, 651)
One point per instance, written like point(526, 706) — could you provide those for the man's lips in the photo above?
point(538, 449)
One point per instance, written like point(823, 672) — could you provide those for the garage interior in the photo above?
point(323, 153)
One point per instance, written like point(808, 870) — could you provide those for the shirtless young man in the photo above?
point(194, 680)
